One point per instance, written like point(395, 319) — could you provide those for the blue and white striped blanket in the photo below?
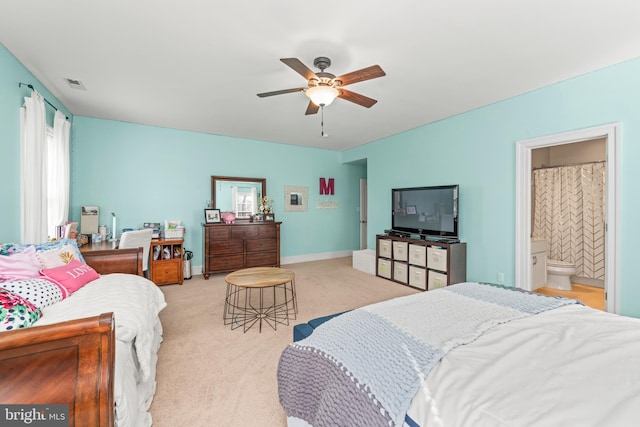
point(365, 366)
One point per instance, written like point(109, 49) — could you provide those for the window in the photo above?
point(245, 202)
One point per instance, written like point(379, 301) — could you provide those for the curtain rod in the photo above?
point(570, 164)
point(45, 99)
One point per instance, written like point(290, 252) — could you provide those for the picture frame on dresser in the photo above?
point(269, 217)
point(212, 216)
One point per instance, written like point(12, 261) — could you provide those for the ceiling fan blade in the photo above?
point(356, 98)
point(311, 109)
point(280, 92)
point(368, 73)
point(299, 68)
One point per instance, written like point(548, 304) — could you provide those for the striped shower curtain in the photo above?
point(569, 212)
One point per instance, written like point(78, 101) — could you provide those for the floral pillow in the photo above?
point(39, 292)
point(20, 265)
point(16, 312)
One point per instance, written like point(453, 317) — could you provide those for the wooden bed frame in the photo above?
point(71, 362)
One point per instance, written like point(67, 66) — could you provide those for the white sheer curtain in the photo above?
point(33, 177)
point(58, 173)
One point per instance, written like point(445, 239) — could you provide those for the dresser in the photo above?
point(230, 247)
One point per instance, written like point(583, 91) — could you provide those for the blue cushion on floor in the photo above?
point(303, 330)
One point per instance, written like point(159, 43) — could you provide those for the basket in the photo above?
point(173, 233)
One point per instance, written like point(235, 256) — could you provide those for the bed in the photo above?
point(95, 350)
point(466, 355)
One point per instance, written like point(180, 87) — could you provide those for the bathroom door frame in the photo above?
point(363, 213)
point(611, 132)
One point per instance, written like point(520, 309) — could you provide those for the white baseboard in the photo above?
point(197, 269)
point(314, 257)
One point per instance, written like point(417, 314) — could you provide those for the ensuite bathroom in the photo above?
point(568, 202)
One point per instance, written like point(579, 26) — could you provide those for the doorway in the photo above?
point(363, 213)
point(524, 204)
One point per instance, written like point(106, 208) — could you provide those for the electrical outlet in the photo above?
point(500, 278)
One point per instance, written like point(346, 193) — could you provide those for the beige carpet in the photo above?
point(209, 375)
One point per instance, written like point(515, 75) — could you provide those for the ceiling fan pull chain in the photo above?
point(324, 135)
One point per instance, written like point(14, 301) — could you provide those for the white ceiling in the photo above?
point(198, 64)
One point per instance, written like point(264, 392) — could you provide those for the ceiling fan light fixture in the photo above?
point(322, 95)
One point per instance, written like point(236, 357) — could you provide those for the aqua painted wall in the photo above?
point(147, 173)
point(152, 174)
point(11, 99)
point(477, 151)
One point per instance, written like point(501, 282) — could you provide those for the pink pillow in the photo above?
point(71, 276)
point(21, 265)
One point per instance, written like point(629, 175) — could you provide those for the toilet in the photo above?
point(559, 274)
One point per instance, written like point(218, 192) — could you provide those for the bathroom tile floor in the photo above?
point(589, 295)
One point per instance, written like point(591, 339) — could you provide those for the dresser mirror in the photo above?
point(237, 194)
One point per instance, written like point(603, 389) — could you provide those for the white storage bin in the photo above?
point(400, 252)
point(417, 277)
point(385, 248)
point(437, 258)
point(400, 272)
point(365, 260)
point(384, 268)
point(418, 255)
point(436, 280)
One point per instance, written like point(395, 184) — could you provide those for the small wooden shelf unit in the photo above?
point(421, 264)
point(230, 247)
point(165, 261)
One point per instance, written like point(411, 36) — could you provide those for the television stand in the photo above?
point(425, 263)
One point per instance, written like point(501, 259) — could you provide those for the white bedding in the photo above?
point(135, 302)
point(572, 366)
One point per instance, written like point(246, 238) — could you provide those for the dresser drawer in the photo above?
point(245, 232)
point(226, 247)
point(260, 245)
point(266, 231)
point(261, 259)
point(218, 233)
point(167, 272)
point(226, 263)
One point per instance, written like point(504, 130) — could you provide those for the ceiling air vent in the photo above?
point(75, 84)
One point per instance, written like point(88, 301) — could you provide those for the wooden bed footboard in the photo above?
point(65, 363)
point(108, 261)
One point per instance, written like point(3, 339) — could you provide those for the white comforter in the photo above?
point(572, 366)
point(135, 302)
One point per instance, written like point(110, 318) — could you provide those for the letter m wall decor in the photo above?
point(326, 188)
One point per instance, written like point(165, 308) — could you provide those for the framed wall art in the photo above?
point(295, 199)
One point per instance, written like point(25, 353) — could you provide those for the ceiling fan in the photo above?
point(324, 87)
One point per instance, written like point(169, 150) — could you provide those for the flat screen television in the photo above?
point(428, 211)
